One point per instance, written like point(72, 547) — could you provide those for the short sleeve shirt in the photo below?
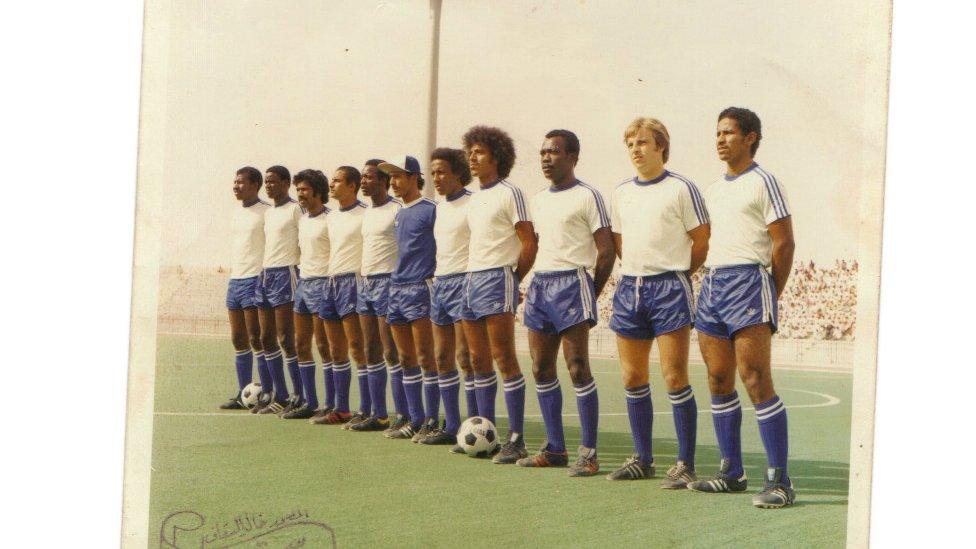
point(565, 220)
point(493, 212)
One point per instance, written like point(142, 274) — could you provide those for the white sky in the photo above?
point(309, 84)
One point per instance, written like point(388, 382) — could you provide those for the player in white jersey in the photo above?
point(661, 228)
point(450, 175)
point(737, 306)
point(573, 227)
point(501, 252)
point(338, 308)
point(313, 241)
point(379, 258)
point(277, 289)
point(247, 247)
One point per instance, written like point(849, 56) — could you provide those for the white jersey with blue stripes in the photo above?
point(379, 240)
point(452, 234)
point(313, 241)
point(741, 208)
point(345, 227)
point(493, 212)
point(565, 220)
point(653, 219)
point(247, 239)
point(281, 234)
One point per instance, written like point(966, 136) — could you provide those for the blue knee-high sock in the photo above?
point(588, 405)
point(640, 411)
point(685, 411)
point(449, 386)
point(551, 404)
point(365, 402)
point(377, 388)
point(432, 396)
point(396, 387)
point(727, 418)
point(342, 376)
point(412, 380)
point(264, 373)
point(329, 400)
point(515, 403)
point(469, 395)
point(307, 370)
point(485, 388)
point(295, 374)
point(243, 361)
point(772, 429)
point(277, 368)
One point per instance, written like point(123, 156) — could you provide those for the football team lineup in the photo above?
point(420, 295)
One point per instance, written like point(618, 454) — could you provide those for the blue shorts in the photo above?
point(339, 300)
point(491, 292)
point(447, 299)
point(733, 298)
point(277, 286)
point(645, 307)
point(374, 295)
point(558, 300)
point(309, 295)
point(241, 293)
point(409, 301)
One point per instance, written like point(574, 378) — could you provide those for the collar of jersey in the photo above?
point(492, 184)
point(457, 195)
point(657, 179)
point(256, 200)
point(414, 203)
point(351, 206)
point(290, 201)
point(747, 170)
point(388, 200)
point(325, 209)
point(555, 189)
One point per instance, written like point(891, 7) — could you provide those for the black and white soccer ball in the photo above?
point(478, 437)
point(250, 394)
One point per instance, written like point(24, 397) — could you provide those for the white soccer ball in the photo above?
point(478, 437)
point(250, 394)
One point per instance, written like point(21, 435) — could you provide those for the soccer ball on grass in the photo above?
point(478, 437)
point(250, 394)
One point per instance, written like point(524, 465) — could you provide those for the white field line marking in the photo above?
point(829, 400)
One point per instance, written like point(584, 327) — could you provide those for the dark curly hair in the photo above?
point(315, 179)
point(250, 173)
point(498, 142)
point(281, 171)
point(455, 158)
point(748, 122)
point(381, 175)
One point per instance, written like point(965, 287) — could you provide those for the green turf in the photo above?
point(375, 492)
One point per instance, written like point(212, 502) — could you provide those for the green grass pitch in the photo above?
point(375, 492)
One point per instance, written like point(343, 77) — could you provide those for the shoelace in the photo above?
point(775, 489)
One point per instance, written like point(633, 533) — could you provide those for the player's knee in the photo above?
point(269, 342)
point(757, 384)
point(391, 356)
point(543, 371)
point(239, 341)
point(445, 360)
point(634, 379)
point(579, 370)
point(463, 359)
point(303, 347)
point(674, 381)
point(324, 353)
point(721, 383)
point(255, 342)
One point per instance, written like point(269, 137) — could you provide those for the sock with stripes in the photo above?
point(377, 388)
point(588, 406)
point(264, 373)
point(685, 411)
point(296, 376)
point(727, 418)
point(469, 395)
point(640, 411)
point(515, 403)
point(277, 368)
point(432, 395)
point(329, 385)
point(242, 362)
point(485, 388)
point(551, 404)
point(342, 376)
point(365, 402)
point(772, 429)
point(412, 379)
point(396, 387)
point(307, 370)
point(449, 386)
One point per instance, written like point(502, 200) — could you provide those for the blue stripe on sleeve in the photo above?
point(600, 206)
point(700, 211)
point(519, 201)
point(775, 194)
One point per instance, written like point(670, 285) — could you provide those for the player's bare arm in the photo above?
point(605, 252)
point(699, 246)
point(618, 245)
point(781, 232)
point(530, 247)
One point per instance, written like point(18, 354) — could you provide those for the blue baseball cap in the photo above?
point(409, 165)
